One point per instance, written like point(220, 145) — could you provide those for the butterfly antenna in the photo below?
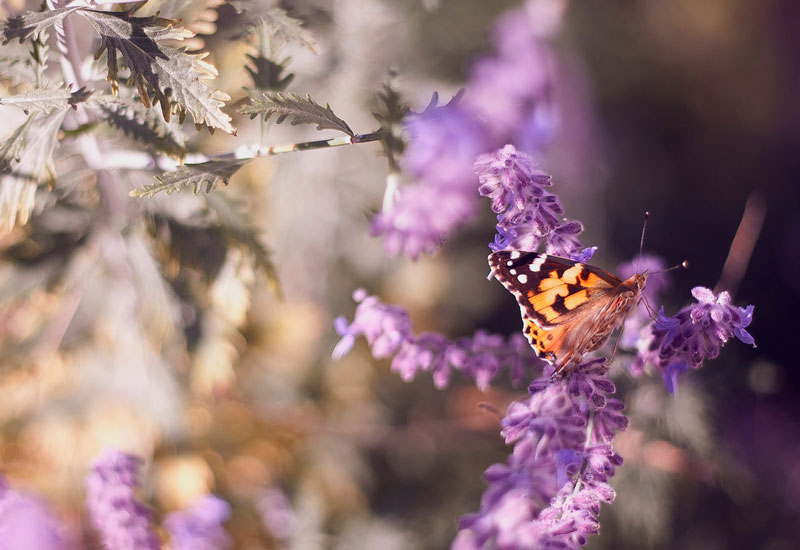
point(683, 265)
point(641, 241)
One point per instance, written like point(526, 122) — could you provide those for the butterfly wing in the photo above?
point(562, 302)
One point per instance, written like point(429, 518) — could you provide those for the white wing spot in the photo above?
point(513, 271)
point(515, 254)
point(537, 263)
point(522, 278)
point(509, 263)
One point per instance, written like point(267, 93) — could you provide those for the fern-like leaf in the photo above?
point(45, 100)
point(279, 24)
point(174, 77)
point(10, 149)
point(150, 131)
point(267, 74)
point(34, 165)
point(203, 176)
point(302, 110)
point(23, 26)
point(390, 116)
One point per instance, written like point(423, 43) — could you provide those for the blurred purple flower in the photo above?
point(512, 90)
point(277, 514)
point(528, 215)
point(388, 332)
point(26, 523)
point(444, 143)
point(548, 495)
point(122, 520)
point(200, 526)
point(695, 334)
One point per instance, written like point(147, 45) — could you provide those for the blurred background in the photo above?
point(145, 327)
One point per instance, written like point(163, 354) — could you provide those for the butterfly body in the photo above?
point(568, 308)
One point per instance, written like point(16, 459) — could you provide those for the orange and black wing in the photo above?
point(557, 298)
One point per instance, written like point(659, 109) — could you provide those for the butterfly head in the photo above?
point(639, 280)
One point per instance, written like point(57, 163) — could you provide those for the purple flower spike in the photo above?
point(695, 334)
point(200, 526)
point(444, 143)
point(512, 90)
point(122, 520)
point(26, 523)
point(483, 357)
point(549, 493)
point(528, 215)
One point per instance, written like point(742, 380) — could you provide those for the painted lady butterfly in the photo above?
point(568, 308)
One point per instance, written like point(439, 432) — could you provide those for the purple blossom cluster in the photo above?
point(26, 522)
point(508, 99)
point(528, 215)
point(548, 493)
point(387, 330)
point(694, 334)
point(199, 527)
point(122, 520)
point(444, 143)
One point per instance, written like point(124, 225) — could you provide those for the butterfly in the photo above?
point(568, 308)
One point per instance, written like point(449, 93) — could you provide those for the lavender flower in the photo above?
point(512, 90)
point(508, 99)
point(388, 332)
point(695, 334)
point(122, 520)
point(26, 523)
point(444, 143)
point(200, 526)
point(548, 495)
point(528, 215)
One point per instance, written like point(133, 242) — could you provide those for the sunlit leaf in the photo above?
point(279, 24)
point(203, 176)
point(301, 110)
point(34, 165)
point(175, 78)
point(12, 146)
point(45, 100)
point(23, 26)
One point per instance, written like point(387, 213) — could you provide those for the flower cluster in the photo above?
point(26, 523)
point(200, 526)
point(528, 215)
point(512, 90)
point(387, 330)
point(548, 494)
point(695, 334)
point(122, 520)
point(444, 143)
point(508, 98)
